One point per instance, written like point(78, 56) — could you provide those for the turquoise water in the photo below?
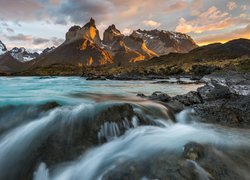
point(28, 90)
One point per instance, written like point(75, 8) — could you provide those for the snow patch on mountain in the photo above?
point(3, 48)
point(22, 55)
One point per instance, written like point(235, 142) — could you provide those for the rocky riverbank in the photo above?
point(224, 100)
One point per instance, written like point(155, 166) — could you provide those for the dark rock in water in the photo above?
point(175, 105)
point(47, 77)
point(189, 98)
point(196, 78)
point(141, 95)
point(129, 77)
point(213, 91)
point(187, 82)
point(13, 116)
point(102, 78)
point(204, 69)
point(67, 141)
point(193, 151)
point(178, 81)
point(237, 83)
point(172, 165)
point(225, 100)
point(160, 96)
point(49, 105)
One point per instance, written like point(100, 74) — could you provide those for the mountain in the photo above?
point(165, 42)
point(213, 52)
point(233, 55)
point(48, 50)
point(3, 48)
point(125, 49)
point(22, 55)
point(9, 64)
point(83, 46)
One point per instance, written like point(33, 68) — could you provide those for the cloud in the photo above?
point(19, 10)
point(10, 30)
point(210, 20)
point(127, 31)
point(244, 7)
point(37, 41)
point(188, 16)
point(78, 11)
point(177, 6)
point(231, 5)
point(195, 7)
point(224, 37)
point(152, 23)
point(19, 37)
point(57, 41)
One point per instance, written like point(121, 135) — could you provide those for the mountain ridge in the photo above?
point(116, 49)
point(84, 47)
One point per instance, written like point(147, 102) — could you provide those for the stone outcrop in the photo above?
point(88, 32)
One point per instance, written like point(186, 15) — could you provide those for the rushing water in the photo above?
point(95, 134)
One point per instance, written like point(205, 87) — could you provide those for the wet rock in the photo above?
point(213, 91)
point(175, 106)
point(160, 96)
point(233, 111)
point(14, 115)
point(187, 82)
point(102, 78)
point(49, 105)
point(237, 83)
point(193, 151)
point(189, 98)
point(141, 95)
point(177, 81)
point(226, 99)
point(196, 78)
point(71, 139)
point(209, 163)
point(47, 77)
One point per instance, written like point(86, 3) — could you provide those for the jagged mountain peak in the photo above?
point(88, 31)
point(164, 42)
point(111, 34)
point(3, 48)
point(22, 55)
point(91, 23)
point(48, 50)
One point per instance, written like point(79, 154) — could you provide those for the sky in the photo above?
point(37, 24)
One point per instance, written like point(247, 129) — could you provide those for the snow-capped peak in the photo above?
point(48, 50)
point(22, 55)
point(3, 48)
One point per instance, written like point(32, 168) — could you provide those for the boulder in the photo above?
point(141, 95)
point(188, 99)
point(213, 91)
point(102, 78)
point(160, 96)
point(193, 151)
